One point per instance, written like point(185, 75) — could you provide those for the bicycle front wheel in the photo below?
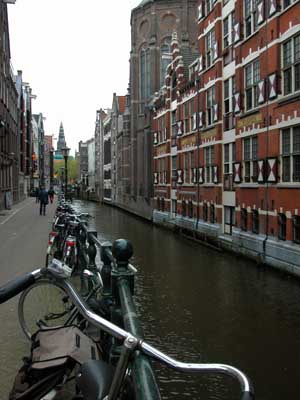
point(44, 304)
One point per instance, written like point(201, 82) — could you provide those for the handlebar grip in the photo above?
point(247, 396)
point(15, 286)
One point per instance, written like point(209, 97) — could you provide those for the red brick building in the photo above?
point(227, 131)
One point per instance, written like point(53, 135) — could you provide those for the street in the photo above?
point(23, 243)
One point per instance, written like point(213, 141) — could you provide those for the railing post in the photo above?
point(106, 268)
point(145, 385)
point(92, 251)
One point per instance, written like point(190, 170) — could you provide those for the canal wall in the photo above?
point(282, 255)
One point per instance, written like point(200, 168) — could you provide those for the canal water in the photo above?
point(198, 305)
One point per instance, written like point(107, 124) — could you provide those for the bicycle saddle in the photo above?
point(94, 379)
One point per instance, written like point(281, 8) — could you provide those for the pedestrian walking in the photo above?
point(51, 194)
point(43, 197)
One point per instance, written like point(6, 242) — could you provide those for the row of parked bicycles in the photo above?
point(65, 310)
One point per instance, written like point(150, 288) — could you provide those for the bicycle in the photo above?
point(98, 379)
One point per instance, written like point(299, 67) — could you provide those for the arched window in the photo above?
point(145, 89)
point(165, 59)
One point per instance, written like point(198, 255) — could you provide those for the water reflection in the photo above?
point(197, 304)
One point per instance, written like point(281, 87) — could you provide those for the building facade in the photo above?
point(9, 146)
point(152, 24)
point(226, 163)
point(99, 129)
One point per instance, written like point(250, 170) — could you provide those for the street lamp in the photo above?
point(65, 152)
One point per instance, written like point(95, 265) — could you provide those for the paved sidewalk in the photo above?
point(23, 244)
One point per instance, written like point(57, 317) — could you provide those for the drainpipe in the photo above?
point(198, 152)
point(267, 145)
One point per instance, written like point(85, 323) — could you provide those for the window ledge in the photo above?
point(289, 98)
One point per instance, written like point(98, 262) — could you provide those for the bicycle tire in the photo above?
point(43, 304)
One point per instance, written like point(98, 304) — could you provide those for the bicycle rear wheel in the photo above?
point(44, 304)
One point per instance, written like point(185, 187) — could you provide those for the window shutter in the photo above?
point(200, 11)
point(272, 86)
point(272, 7)
point(200, 119)
point(215, 111)
point(237, 103)
point(194, 178)
point(261, 91)
point(201, 175)
point(260, 12)
point(155, 138)
point(237, 176)
point(200, 63)
point(272, 173)
point(179, 128)
point(261, 171)
point(236, 32)
point(215, 51)
point(216, 174)
point(194, 121)
point(180, 176)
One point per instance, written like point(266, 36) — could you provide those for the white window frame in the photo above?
point(292, 66)
point(210, 101)
point(251, 162)
point(252, 86)
point(210, 39)
point(290, 154)
point(252, 17)
point(209, 157)
point(228, 36)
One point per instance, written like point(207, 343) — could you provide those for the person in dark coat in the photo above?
point(43, 197)
point(37, 193)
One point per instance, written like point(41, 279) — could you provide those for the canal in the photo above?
point(198, 305)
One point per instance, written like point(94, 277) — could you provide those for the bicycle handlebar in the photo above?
point(15, 286)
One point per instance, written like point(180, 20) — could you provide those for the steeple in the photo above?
point(61, 140)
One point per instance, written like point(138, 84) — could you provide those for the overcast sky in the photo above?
point(74, 54)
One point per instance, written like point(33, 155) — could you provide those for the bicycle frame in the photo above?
point(131, 344)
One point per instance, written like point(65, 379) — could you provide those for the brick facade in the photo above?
point(227, 137)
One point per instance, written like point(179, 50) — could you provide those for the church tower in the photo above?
point(61, 143)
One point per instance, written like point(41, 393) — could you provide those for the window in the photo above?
point(255, 221)
point(145, 74)
point(190, 209)
point(209, 161)
point(209, 46)
point(281, 226)
point(229, 90)
point(186, 125)
point(252, 77)
point(205, 212)
point(210, 101)
point(251, 16)
point(174, 124)
point(296, 228)
point(183, 208)
point(174, 170)
point(291, 65)
point(250, 147)
point(209, 5)
point(212, 216)
point(229, 159)
point(244, 219)
point(290, 154)
point(229, 219)
point(165, 59)
point(228, 29)
point(174, 208)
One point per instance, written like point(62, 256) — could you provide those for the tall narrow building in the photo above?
point(61, 142)
point(152, 25)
